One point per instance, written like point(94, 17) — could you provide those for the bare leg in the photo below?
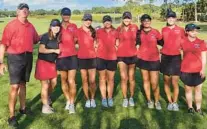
point(124, 78)
point(102, 83)
point(84, 77)
point(132, 79)
point(72, 85)
point(92, 82)
point(13, 98)
point(146, 83)
point(110, 82)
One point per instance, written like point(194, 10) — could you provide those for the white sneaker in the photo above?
point(67, 106)
point(71, 109)
point(170, 106)
point(46, 109)
point(175, 107)
point(131, 102)
point(110, 102)
point(104, 103)
point(125, 103)
point(150, 104)
point(88, 104)
point(158, 106)
point(93, 103)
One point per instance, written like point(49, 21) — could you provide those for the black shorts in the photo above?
point(148, 65)
point(191, 79)
point(87, 63)
point(103, 64)
point(19, 67)
point(67, 63)
point(170, 65)
point(127, 60)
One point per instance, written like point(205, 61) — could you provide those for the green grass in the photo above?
point(138, 117)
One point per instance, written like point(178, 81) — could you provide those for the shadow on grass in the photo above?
point(131, 123)
point(36, 105)
point(107, 118)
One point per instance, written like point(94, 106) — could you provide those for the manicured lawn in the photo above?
point(138, 117)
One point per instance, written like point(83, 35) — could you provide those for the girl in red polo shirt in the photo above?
point(193, 67)
point(46, 67)
point(171, 59)
point(148, 59)
point(126, 54)
point(67, 62)
point(87, 59)
point(107, 38)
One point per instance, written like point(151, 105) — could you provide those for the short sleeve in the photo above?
point(116, 34)
point(76, 33)
point(7, 35)
point(118, 31)
point(36, 37)
point(44, 39)
point(182, 44)
point(75, 29)
point(137, 28)
point(158, 35)
point(183, 35)
point(98, 34)
point(203, 46)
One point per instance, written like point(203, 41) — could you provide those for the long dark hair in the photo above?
point(93, 32)
point(51, 36)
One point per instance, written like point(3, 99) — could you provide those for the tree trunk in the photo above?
point(196, 15)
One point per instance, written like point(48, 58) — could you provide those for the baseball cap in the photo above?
point(66, 11)
point(191, 26)
point(55, 22)
point(22, 5)
point(145, 16)
point(87, 16)
point(107, 18)
point(170, 13)
point(127, 15)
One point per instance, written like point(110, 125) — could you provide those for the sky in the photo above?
point(58, 4)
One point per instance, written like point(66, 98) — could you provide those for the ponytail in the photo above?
point(138, 35)
point(93, 32)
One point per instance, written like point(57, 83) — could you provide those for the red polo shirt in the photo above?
point(192, 61)
point(19, 37)
point(127, 41)
point(106, 44)
point(86, 44)
point(172, 40)
point(148, 50)
point(67, 44)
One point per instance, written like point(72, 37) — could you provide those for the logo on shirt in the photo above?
point(133, 29)
point(197, 45)
point(177, 31)
point(71, 29)
point(153, 36)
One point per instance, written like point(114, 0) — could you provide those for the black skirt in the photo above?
point(87, 63)
point(67, 63)
point(148, 65)
point(103, 64)
point(191, 79)
point(170, 65)
point(127, 60)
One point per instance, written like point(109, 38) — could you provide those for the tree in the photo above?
point(76, 11)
